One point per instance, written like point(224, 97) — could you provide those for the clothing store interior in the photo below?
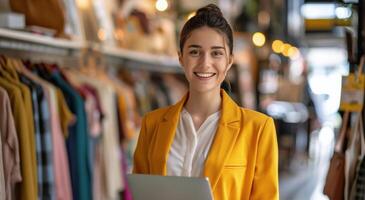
point(77, 77)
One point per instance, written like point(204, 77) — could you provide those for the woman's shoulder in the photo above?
point(254, 116)
point(257, 122)
point(156, 115)
point(159, 112)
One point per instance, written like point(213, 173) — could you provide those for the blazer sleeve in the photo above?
point(266, 183)
point(140, 162)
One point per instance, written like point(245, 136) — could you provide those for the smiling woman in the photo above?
point(206, 134)
point(205, 60)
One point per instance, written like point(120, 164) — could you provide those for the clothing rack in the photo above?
point(75, 53)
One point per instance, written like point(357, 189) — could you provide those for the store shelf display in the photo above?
point(134, 59)
point(40, 39)
point(39, 44)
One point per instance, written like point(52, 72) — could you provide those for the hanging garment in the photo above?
point(28, 186)
point(66, 118)
point(44, 146)
point(93, 118)
point(53, 136)
point(109, 142)
point(27, 99)
point(10, 79)
point(127, 193)
point(10, 147)
point(354, 154)
point(92, 111)
point(95, 154)
point(127, 109)
point(2, 176)
point(77, 141)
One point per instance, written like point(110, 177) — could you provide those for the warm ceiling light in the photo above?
point(277, 46)
point(258, 39)
point(83, 4)
point(286, 48)
point(293, 53)
point(162, 5)
point(343, 12)
point(102, 34)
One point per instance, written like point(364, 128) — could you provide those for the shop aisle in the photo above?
point(306, 177)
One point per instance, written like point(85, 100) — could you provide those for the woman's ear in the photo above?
point(180, 58)
point(230, 62)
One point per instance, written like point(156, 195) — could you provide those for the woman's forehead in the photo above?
point(205, 37)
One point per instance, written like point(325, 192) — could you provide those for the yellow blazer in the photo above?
point(242, 162)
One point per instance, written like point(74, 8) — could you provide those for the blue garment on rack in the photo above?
point(77, 141)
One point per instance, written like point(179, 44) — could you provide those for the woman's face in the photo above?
point(205, 59)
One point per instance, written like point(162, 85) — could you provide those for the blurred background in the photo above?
point(119, 57)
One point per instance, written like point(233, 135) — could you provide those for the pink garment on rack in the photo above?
point(10, 146)
point(127, 195)
point(92, 112)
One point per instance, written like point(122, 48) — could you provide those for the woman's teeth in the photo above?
point(204, 75)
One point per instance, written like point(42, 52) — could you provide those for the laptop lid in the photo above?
point(152, 187)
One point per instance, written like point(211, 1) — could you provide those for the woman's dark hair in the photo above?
point(210, 16)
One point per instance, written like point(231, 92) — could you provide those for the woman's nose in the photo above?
point(205, 60)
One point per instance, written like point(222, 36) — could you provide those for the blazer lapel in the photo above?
point(224, 140)
point(163, 137)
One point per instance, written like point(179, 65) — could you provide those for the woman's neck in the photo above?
point(202, 104)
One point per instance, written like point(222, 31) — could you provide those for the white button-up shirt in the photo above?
point(190, 147)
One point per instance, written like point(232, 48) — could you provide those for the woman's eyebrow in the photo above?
point(217, 47)
point(198, 46)
point(194, 46)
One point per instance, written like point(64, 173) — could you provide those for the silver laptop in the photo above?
point(152, 187)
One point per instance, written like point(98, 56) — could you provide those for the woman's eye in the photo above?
point(217, 53)
point(194, 52)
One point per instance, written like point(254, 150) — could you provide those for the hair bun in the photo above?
point(209, 9)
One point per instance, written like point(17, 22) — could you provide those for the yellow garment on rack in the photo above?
point(126, 122)
point(27, 99)
point(11, 76)
point(126, 107)
point(28, 186)
point(7, 64)
point(66, 116)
